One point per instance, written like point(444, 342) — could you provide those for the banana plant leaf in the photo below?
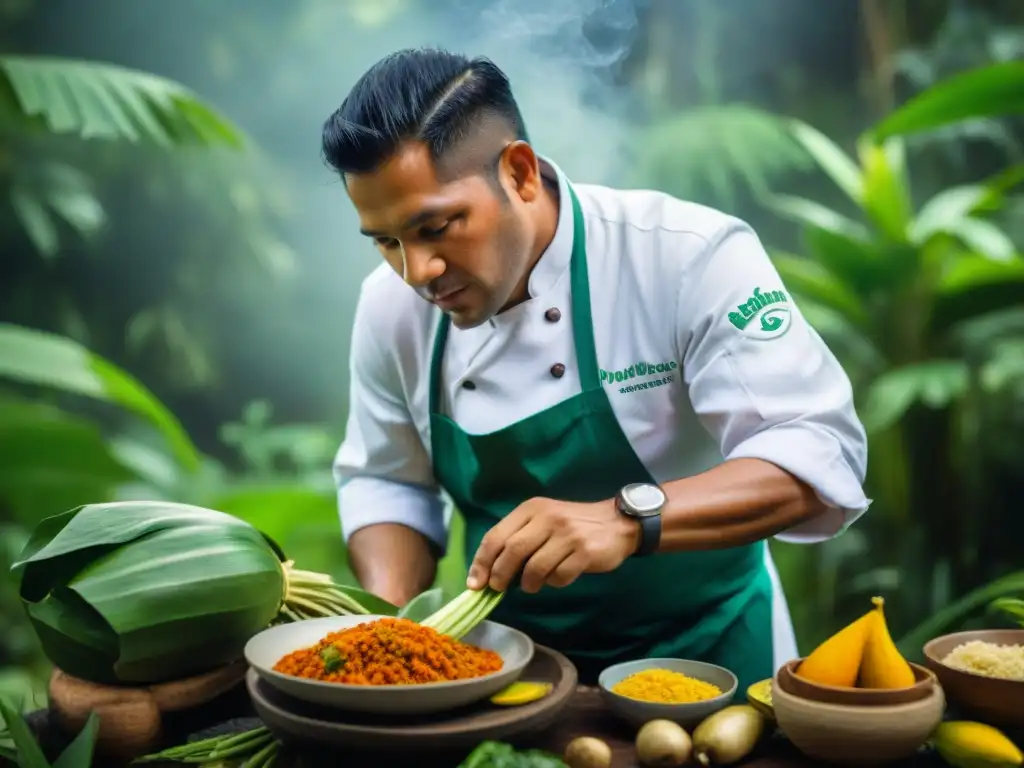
point(29, 356)
point(990, 91)
point(184, 598)
point(106, 101)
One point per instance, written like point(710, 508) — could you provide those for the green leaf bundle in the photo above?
point(143, 592)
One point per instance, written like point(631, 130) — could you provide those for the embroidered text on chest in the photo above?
point(641, 369)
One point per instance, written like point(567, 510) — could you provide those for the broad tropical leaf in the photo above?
point(974, 288)
point(983, 237)
point(886, 192)
point(838, 165)
point(29, 753)
point(79, 753)
point(143, 592)
point(994, 90)
point(945, 208)
point(50, 460)
point(53, 191)
point(952, 616)
point(935, 383)
point(718, 148)
point(48, 360)
point(809, 279)
point(133, 592)
point(970, 272)
point(1011, 606)
point(105, 101)
point(1005, 366)
point(423, 605)
point(841, 245)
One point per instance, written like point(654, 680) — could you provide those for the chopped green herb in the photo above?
point(333, 660)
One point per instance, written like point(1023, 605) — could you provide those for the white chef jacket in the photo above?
point(678, 294)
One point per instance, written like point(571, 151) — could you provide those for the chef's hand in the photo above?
point(553, 542)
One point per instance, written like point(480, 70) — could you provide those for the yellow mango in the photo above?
point(964, 744)
point(882, 665)
point(837, 660)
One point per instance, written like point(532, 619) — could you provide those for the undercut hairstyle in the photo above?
point(426, 95)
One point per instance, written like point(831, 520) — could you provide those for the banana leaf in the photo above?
point(145, 592)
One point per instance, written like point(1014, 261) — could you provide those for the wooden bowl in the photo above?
point(857, 735)
point(858, 697)
point(991, 700)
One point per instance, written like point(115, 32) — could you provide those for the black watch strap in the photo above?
point(650, 535)
point(650, 525)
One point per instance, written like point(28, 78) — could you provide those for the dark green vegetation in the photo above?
point(168, 289)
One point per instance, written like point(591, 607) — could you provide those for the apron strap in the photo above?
point(582, 321)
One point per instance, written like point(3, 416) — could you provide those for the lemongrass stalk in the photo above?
point(486, 604)
point(441, 615)
point(290, 613)
point(218, 749)
point(340, 600)
point(225, 743)
point(481, 609)
point(320, 604)
point(453, 626)
point(464, 613)
point(264, 758)
point(224, 751)
point(315, 594)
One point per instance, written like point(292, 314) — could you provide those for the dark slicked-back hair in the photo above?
point(425, 95)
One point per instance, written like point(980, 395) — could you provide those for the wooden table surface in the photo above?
point(585, 716)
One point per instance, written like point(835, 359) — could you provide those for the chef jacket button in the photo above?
point(558, 370)
point(469, 384)
point(553, 315)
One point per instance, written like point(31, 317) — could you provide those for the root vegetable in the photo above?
point(663, 744)
point(587, 752)
point(727, 736)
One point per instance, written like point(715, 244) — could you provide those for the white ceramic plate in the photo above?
point(265, 649)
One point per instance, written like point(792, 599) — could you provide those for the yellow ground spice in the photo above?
point(666, 687)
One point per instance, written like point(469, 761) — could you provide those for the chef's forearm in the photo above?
point(392, 561)
point(738, 502)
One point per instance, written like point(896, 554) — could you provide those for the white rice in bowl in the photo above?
point(1005, 662)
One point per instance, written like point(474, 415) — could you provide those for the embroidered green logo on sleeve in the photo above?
point(765, 315)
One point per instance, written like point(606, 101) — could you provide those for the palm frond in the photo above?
point(42, 194)
point(719, 150)
point(104, 101)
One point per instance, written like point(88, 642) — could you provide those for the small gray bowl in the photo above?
point(687, 715)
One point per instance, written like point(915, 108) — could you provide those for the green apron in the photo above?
point(713, 606)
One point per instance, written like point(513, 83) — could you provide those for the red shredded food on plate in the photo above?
point(389, 652)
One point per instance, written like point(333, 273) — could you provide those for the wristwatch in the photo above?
point(643, 502)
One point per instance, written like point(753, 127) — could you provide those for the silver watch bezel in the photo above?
point(631, 506)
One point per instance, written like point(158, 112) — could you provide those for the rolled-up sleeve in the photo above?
point(382, 469)
point(764, 383)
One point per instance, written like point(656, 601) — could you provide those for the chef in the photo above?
point(613, 387)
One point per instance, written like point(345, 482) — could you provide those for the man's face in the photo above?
point(462, 243)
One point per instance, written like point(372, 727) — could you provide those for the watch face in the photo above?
point(644, 499)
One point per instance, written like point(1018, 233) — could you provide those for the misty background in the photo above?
point(224, 279)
